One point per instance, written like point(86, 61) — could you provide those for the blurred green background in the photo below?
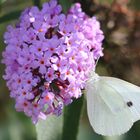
point(120, 21)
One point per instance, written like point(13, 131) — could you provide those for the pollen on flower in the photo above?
point(40, 30)
point(29, 82)
point(49, 75)
point(39, 49)
point(25, 104)
point(42, 62)
point(19, 81)
point(24, 93)
point(35, 105)
point(47, 98)
point(73, 57)
point(52, 49)
point(68, 72)
point(49, 56)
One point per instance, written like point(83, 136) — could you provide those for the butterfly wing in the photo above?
point(108, 111)
point(129, 92)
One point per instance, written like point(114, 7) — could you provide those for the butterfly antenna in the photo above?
point(97, 61)
point(93, 72)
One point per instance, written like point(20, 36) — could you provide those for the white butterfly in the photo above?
point(113, 105)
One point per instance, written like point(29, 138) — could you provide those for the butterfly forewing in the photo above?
point(111, 108)
point(130, 94)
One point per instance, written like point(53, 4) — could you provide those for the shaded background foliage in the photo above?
point(120, 21)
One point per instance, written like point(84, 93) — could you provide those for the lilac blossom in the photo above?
point(48, 57)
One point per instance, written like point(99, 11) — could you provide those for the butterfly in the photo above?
point(113, 105)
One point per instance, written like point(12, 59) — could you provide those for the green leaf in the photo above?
point(66, 4)
point(2, 1)
point(10, 16)
point(134, 133)
point(72, 115)
point(121, 137)
point(49, 129)
point(135, 4)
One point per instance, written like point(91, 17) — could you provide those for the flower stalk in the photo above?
point(72, 114)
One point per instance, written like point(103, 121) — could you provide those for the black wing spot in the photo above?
point(129, 104)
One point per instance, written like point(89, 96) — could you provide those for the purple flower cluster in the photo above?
point(48, 58)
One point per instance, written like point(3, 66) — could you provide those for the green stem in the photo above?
point(37, 3)
point(71, 121)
